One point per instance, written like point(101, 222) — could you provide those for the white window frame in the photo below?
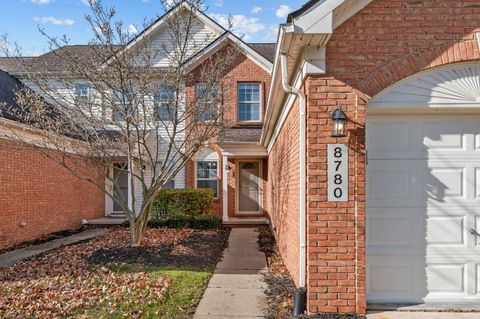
point(216, 178)
point(260, 102)
point(79, 89)
point(117, 102)
point(160, 103)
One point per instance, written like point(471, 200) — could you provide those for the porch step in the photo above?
point(232, 221)
point(107, 221)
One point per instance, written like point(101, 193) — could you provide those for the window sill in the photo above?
point(252, 123)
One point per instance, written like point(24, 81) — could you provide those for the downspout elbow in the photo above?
point(287, 87)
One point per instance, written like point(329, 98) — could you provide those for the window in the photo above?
point(170, 185)
point(122, 100)
point(207, 175)
point(249, 102)
point(164, 103)
point(82, 92)
point(207, 102)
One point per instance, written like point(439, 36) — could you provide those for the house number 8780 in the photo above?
point(337, 172)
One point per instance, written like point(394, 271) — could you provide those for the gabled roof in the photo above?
point(259, 58)
point(174, 10)
point(267, 50)
point(217, 44)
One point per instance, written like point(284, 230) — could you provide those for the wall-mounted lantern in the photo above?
point(339, 124)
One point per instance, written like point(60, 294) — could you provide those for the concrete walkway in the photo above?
point(236, 289)
point(15, 256)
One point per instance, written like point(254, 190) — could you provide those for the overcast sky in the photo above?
point(257, 20)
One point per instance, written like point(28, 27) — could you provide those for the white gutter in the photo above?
point(303, 175)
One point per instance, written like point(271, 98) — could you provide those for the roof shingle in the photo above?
point(241, 134)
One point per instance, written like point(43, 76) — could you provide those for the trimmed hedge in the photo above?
point(183, 221)
point(186, 202)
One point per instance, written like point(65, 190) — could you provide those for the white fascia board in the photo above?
point(324, 25)
point(318, 18)
point(253, 55)
point(283, 44)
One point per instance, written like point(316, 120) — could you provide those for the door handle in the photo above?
point(474, 232)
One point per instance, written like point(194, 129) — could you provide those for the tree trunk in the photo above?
point(137, 228)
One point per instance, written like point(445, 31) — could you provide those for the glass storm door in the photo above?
point(120, 176)
point(249, 188)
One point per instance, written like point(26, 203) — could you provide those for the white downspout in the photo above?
point(303, 175)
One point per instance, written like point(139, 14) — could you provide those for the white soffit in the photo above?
point(455, 85)
point(325, 16)
point(243, 150)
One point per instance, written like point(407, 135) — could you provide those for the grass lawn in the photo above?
point(181, 298)
point(106, 278)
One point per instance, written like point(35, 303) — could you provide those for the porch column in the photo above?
point(225, 187)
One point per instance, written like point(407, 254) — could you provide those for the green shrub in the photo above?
point(188, 202)
point(184, 221)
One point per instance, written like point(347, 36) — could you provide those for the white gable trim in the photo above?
point(219, 43)
point(161, 21)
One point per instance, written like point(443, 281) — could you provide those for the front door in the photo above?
point(120, 178)
point(249, 191)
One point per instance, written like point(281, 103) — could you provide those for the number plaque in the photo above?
point(337, 172)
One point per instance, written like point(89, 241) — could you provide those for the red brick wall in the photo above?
point(242, 70)
point(382, 44)
point(335, 231)
point(41, 193)
point(283, 191)
point(390, 40)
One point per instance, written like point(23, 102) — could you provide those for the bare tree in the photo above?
point(121, 107)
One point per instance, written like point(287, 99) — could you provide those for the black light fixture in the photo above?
point(339, 123)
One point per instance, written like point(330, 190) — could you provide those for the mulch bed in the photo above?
point(73, 279)
point(186, 249)
point(280, 285)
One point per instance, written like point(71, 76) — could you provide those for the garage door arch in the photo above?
point(423, 188)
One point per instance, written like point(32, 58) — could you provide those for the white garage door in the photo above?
point(423, 203)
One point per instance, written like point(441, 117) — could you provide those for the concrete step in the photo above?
point(232, 221)
point(107, 221)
